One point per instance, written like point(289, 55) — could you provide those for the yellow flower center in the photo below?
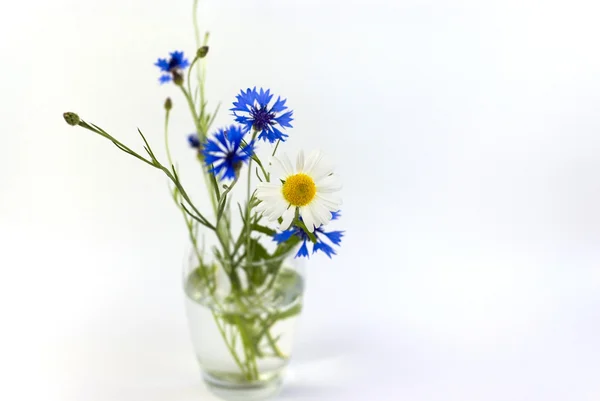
point(299, 189)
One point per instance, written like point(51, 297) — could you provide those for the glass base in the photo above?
point(231, 388)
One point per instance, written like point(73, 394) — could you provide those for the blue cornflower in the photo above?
point(194, 141)
point(335, 237)
point(172, 67)
point(224, 153)
point(252, 111)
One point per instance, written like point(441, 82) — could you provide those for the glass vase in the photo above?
point(242, 317)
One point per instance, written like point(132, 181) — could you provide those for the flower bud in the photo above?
point(202, 52)
point(168, 104)
point(71, 118)
point(194, 141)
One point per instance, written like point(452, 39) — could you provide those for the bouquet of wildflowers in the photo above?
point(242, 278)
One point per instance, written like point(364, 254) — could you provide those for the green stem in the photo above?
point(274, 346)
point(167, 148)
point(268, 175)
point(248, 349)
point(192, 107)
point(276, 146)
point(229, 347)
point(188, 82)
point(248, 203)
point(223, 200)
point(265, 174)
point(188, 221)
point(154, 163)
point(196, 27)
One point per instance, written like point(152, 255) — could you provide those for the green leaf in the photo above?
point(258, 251)
point(262, 229)
point(289, 313)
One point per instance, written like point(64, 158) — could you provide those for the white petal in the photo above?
point(285, 165)
point(265, 185)
point(267, 193)
point(331, 183)
point(270, 199)
point(288, 216)
point(267, 188)
point(320, 213)
point(288, 164)
point(330, 201)
point(261, 207)
point(308, 218)
point(272, 208)
point(269, 196)
point(269, 203)
point(271, 215)
point(300, 162)
point(279, 208)
point(313, 159)
point(322, 170)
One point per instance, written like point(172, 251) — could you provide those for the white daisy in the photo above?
point(311, 188)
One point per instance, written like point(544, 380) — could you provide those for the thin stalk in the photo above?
point(188, 82)
point(167, 148)
point(248, 349)
point(268, 175)
point(192, 107)
point(188, 221)
point(229, 347)
point(154, 163)
point(274, 346)
point(223, 200)
point(276, 146)
point(248, 203)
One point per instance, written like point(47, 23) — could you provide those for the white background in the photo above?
point(466, 133)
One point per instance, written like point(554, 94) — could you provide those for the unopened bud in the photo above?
point(71, 118)
point(168, 104)
point(194, 141)
point(202, 52)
